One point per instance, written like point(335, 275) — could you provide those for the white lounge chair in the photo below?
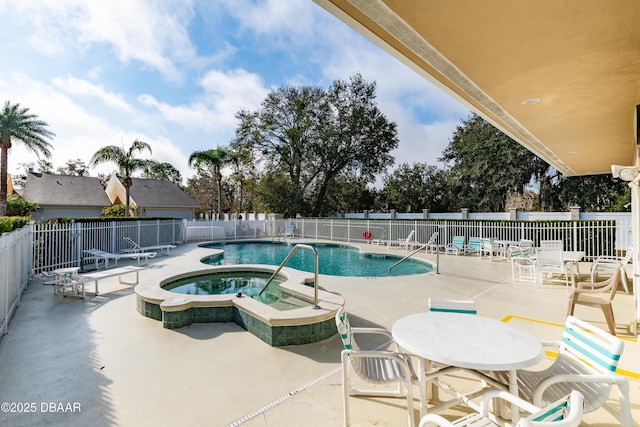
point(566, 412)
point(587, 362)
point(489, 249)
point(101, 256)
point(525, 266)
point(375, 367)
point(408, 241)
point(456, 247)
point(288, 230)
point(606, 263)
point(134, 247)
point(549, 263)
point(474, 246)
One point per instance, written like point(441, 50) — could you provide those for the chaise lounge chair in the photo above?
point(101, 256)
point(136, 248)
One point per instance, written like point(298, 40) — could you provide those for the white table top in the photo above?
point(67, 270)
point(467, 341)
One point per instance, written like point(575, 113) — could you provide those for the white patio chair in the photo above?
point(607, 264)
point(587, 362)
point(408, 241)
point(473, 247)
point(456, 247)
point(452, 306)
point(566, 412)
point(374, 366)
point(288, 230)
point(432, 244)
point(525, 266)
point(598, 295)
point(549, 263)
point(489, 249)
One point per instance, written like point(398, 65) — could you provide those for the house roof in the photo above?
point(64, 190)
point(561, 77)
point(158, 193)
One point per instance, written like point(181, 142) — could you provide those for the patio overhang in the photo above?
point(559, 77)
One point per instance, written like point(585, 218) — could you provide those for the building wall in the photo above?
point(65, 212)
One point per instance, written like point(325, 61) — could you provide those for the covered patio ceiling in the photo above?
point(560, 77)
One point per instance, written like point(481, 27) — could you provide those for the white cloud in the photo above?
point(75, 86)
point(286, 19)
point(224, 95)
point(153, 32)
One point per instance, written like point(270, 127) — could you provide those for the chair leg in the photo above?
point(608, 315)
point(571, 304)
point(346, 389)
point(625, 280)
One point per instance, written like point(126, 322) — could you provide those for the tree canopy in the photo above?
point(307, 137)
point(17, 124)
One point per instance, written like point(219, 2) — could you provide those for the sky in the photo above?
point(174, 73)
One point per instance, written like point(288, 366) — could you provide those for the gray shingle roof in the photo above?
point(157, 193)
point(64, 190)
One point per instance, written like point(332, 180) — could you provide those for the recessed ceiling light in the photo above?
point(572, 152)
point(530, 101)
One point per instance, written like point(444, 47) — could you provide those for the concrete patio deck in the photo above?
point(98, 362)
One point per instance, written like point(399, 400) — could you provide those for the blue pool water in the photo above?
point(248, 284)
point(333, 259)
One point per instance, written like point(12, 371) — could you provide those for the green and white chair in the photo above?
point(374, 367)
point(587, 361)
point(456, 247)
point(452, 306)
point(566, 412)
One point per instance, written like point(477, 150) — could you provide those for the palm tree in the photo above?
point(215, 159)
point(127, 163)
point(16, 123)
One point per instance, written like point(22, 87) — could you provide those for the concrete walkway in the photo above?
point(97, 362)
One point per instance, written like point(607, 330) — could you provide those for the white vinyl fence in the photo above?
point(15, 268)
point(63, 245)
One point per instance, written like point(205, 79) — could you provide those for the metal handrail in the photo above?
point(315, 269)
point(433, 238)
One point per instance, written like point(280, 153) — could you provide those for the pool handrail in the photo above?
point(433, 238)
point(315, 269)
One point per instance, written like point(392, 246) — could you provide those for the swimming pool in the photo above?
point(333, 259)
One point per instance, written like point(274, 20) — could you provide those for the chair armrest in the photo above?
point(505, 395)
point(435, 419)
point(572, 378)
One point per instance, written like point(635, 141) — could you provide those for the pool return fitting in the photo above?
point(315, 270)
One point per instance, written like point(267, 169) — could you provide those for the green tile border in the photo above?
point(273, 335)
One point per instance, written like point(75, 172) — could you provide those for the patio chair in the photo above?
point(607, 264)
point(98, 256)
point(374, 366)
point(549, 264)
point(456, 246)
point(589, 297)
point(525, 266)
point(566, 412)
point(526, 246)
point(135, 247)
point(473, 247)
point(587, 362)
point(452, 306)
point(408, 241)
point(288, 230)
point(489, 249)
point(432, 244)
